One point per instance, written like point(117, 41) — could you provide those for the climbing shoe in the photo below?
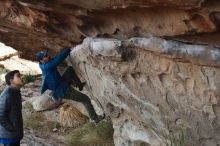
point(81, 86)
point(99, 118)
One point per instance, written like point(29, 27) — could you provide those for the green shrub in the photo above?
point(27, 106)
point(28, 78)
point(172, 137)
point(33, 120)
point(2, 70)
point(56, 125)
point(91, 134)
point(31, 123)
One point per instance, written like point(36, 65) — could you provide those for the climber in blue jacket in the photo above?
point(61, 85)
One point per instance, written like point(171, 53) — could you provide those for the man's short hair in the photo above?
point(10, 76)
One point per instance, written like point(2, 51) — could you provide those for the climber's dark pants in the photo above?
point(70, 77)
point(13, 144)
point(75, 95)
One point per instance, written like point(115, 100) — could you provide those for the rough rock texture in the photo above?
point(10, 60)
point(25, 66)
point(28, 25)
point(6, 52)
point(154, 89)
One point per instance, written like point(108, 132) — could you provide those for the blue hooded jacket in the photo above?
point(51, 79)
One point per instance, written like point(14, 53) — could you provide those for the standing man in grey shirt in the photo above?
point(11, 122)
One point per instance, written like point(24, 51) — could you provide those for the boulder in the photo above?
point(156, 91)
point(44, 102)
point(6, 52)
point(26, 25)
point(24, 66)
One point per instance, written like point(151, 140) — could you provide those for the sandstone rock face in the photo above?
point(10, 60)
point(24, 66)
point(154, 90)
point(6, 52)
point(28, 25)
